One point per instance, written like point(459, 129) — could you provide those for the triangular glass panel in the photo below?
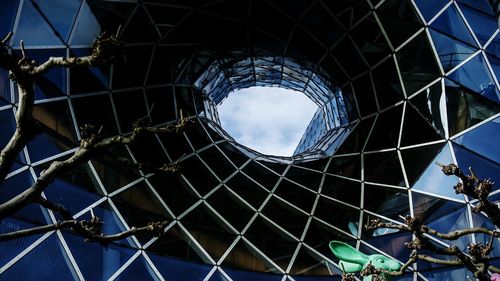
point(456, 218)
point(385, 133)
point(166, 185)
point(417, 129)
point(304, 177)
point(451, 51)
point(481, 5)
point(177, 244)
point(136, 58)
point(399, 20)
point(369, 234)
point(87, 79)
point(15, 185)
point(139, 206)
point(389, 244)
point(246, 275)
point(4, 88)
point(211, 233)
point(75, 190)
point(337, 214)
point(95, 261)
point(479, 220)
point(264, 176)
point(431, 210)
point(87, 27)
point(139, 269)
point(482, 167)
point(7, 126)
point(271, 242)
point(475, 76)
point(130, 106)
point(357, 138)
point(495, 64)
point(319, 235)
point(111, 221)
point(169, 16)
point(161, 103)
point(307, 264)
point(296, 195)
point(252, 193)
point(388, 87)
point(178, 269)
point(417, 64)
point(231, 208)
point(113, 173)
point(318, 165)
point(429, 104)
point(48, 258)
point(342, 189)
point(483, 140)
point(96, 111)
point(451, 23)
point(107, 21)
point(383, 167)
point(430, 9)
point(363, 89)
point(483, 25)
point(61, 19)
point(386, 201)
point(245, 257)
point(140, 28)
point(423, 173)
point(285, 216)
point(7, 16)
point(200, 177)
point(433, 272)
point(217, 161)
point(12, 248)
point(372, 43)
point(33, 29)
point(466, 108)
point(347, 166)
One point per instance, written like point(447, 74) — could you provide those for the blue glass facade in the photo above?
point(401, 85)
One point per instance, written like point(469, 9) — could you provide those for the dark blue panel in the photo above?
point(483, 140)
point(451, 52)
point(4, 88)
point(430, 8)
point(137, 270)
point(483, 25)
point(87, 27)
point(12, 248)
point(251, 276)
point(178, 270)
point(450, 22)
point(475, 76)
point(483, 167)
point(60, 13)
point(46, 262)
point(96, 261)
point(7, 126)
point(8, 10)
point(33, 29)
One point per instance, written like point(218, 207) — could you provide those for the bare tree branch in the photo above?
point(86, 229)
point(24, 72)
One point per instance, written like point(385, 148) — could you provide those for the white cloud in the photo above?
point(270, 120)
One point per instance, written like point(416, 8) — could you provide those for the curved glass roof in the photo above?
point(419, 84)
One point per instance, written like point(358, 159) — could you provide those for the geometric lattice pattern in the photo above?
point(420, 85)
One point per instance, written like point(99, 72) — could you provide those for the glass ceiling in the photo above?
point(415, 83)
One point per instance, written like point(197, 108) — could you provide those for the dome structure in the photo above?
point(400, 85)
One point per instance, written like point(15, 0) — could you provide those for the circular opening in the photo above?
point(327, 128)
point(270, 120)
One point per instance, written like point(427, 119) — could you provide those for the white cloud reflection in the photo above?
point(270, 120)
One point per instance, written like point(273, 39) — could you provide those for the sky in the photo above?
point(269, 120)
